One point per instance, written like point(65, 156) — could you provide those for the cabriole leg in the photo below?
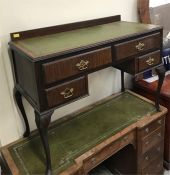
point(42, 121)
point(18, 99)
point(161, 75)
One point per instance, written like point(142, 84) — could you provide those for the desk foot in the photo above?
point(42, 122)
point(161, 74)
point(18, 99)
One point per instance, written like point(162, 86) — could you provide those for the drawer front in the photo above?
point(148, 157)
point(108, 151)
point(152, 140)
point(70, 66)
point(149, 60)
point(154, 168)
point(139, 45)
point(67, 92)
point(152, 127)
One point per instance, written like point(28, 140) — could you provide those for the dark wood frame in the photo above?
point(64, 27)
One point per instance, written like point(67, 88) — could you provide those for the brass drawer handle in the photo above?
point(147, 158)
point(150, 61)
point(147, 143)
point(68, 92)
point(82, 65)
point(159, 134)
point(160, 122)
point(140, 46)
point(158, 149)
point(147, 130)
point(125, 139)
point(93, 160)
point(159, 165)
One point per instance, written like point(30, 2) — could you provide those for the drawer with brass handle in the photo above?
point(154, 168)
point(91, 162)
point(138, 45)
point(70, 66)
point(153, 139)
point(152, 127)
point(67, 92)
point(149, 60)
point(152, 154)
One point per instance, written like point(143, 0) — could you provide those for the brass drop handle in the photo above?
point(140, 46)
point(158, 149)
point(93, 160)
point(82, 65)
point(147, 130)
point(147, 143)
point(160, 122)
point(125, 139)
point(150, 61)
point(159, 165)
point(159, 134)
point(147, 158)
point(67, 93)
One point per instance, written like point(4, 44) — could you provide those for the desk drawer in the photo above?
point(149, 60)
point(153, 139)
point(74, 65)
point(139, 45)
point(148, 157)
point(154, 168)
point(152, 127)
point(67, 92)
point(108, 151)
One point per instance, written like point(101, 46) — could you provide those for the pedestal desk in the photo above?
point(51, 64)
point(148, 90)
point(83, 140)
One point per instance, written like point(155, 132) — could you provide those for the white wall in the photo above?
point(21, 15)
point(155, 3)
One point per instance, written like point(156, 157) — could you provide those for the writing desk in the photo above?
point(88, 137)
point(51, 64)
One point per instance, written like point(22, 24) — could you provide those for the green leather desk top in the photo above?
point(74, 137)
point(64, 41)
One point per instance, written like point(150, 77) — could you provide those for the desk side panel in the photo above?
point(25, 77)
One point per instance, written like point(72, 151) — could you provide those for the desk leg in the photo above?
point(122, 81)
point(161, 74)
point(18, 99)
point(42, 121)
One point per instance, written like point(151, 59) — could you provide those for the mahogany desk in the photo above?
point(51, 64)
point(83, 140)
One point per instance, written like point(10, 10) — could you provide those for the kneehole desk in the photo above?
point(83, 140)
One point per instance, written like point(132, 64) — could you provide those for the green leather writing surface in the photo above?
point(59, 42)
point(74, 137)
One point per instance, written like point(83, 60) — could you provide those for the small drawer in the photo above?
point(152, 127)
point(154, 168)
point(153, 139)
point(67, 92)
point(67, 67)
point(149, 60)
point(108, 151)
point(139, 45)
point(148, 157)
point(90, 163)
